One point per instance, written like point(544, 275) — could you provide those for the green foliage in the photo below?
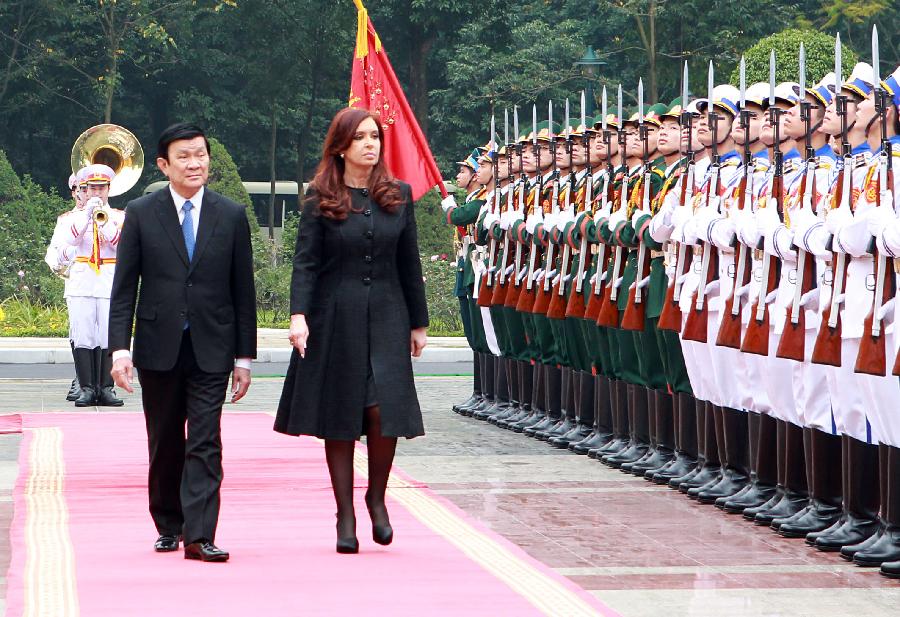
point(819, 57)
point(435, 236)
point(27, 218)
point(443, 307)
point(21, 316)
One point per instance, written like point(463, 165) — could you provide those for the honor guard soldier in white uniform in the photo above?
point(89, 241)
point(52, 259)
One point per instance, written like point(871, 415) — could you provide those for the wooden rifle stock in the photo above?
point(756, 338)
point(827, 349)
point(696, 324)
point(792, 344)
point(558, 300)
point(598, 287)
point(670, 317)
point(635, 311)
point(729, 334)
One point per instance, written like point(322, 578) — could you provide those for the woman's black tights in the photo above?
point(339, 455)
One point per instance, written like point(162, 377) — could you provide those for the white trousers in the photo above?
point(811, 389)
point(779, 384)
point(882, 401)
point(845, 388)
point(88, 321)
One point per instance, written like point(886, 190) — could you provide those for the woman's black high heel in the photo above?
point(347, 545)
point(381, 534)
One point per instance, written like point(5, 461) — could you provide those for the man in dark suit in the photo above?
point(189, 249)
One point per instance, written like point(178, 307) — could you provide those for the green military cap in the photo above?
point(654, 113)
point(471, 161)
point(573, 129)
point(612, 122)
point(674, 110)
point(545, 131)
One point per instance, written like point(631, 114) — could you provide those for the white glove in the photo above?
point(564, 218)
point(448, 202)
point(712, 289)
point(599, 217)
point(638, 213)
point(531, 222)
point(837, 218)
point(490, 219)
point(879, 218)
point(643, 282)
point(615, 218)
point(767, 218)
point(702, 220)
point(550, 221)
point(802, 220)
point(886, 312)
point(810, 300)
point(742, 292)
point(668, 208)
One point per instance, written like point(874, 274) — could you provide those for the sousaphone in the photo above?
point(114, 146)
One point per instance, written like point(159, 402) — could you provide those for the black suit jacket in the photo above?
point(214, 291)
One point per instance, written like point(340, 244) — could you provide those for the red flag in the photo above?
point(374, 86)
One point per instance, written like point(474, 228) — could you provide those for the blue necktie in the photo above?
point(187, 229)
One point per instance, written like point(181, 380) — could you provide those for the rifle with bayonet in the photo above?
point(670, 316)
point(635, 309)
point(513, 293)
point(696, 324)
point(607, 195)
point(609, 310)
point(557, 306)
point(827, 349)
point(792, 345)
point(501, 288)
point(730, 327)
point(485, 290)
point(528, 293)
point(871, 358)
point(542, 299)
point(756, 338)
point(576, 306)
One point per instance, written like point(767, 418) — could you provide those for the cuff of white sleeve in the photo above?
point(448, 202)
point(120, 353)
point(243, 363)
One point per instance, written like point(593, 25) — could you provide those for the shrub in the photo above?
point(819, 57)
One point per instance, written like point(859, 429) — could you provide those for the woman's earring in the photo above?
point(342, 155)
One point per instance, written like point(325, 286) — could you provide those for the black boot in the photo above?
point(700, 433)
point(795, 495)
point(618, 398)
point(602, 433)
point(763, 466)
point(685, 410)
point(107, 395)
point(487, 386)
point(522, 398)
point(473, 400)
point(534, 380)
point(511, 370)
point(664, 452)
point(887, 547)
point(552, 402)
point(75, 388)
point(824, 488)
point(567, 420)
point(496, 374)
point(583, 390)
point(650, 452)
point(639, 423)
point(85, 369)
point(736, 464)
point(859, 520)
point(711, 471)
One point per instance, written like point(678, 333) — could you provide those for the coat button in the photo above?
point(367, 212)
point(370, 234)
point(366, 280)
point(367, 259)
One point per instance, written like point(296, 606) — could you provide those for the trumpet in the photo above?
point(101, 216)
point(99, 211)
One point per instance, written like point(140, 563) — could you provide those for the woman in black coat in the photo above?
point(358, 312)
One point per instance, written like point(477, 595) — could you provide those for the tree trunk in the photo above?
point(12, 54)
point(273, 143)
point(315, 72)
point(648, 39)
point(420, 48)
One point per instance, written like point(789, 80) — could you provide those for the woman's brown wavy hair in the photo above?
point(332, 194)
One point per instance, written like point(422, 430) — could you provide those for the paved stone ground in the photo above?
point(643, 550)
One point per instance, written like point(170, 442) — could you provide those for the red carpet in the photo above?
point(82, 537)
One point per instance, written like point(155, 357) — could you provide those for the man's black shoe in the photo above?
point(204, 550)
point(166, 544)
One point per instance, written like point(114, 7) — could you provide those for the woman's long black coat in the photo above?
point(359, 283)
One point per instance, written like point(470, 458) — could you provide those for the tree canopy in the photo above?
point(266, 76)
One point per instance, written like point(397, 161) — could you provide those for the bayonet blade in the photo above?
point(802, 76)
point(640, 101)
point(875, 56)
point(684, 87)
point(534, 123)
point(491, 142)
point(566, 127)
point(838, 81)
point(603, 109)
point(583, 111)
point(710, 80)
point(550, 119)
point(620, 107)
point(516, 122)
point(772, 78)
point(743, 81)
point(505, 126)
